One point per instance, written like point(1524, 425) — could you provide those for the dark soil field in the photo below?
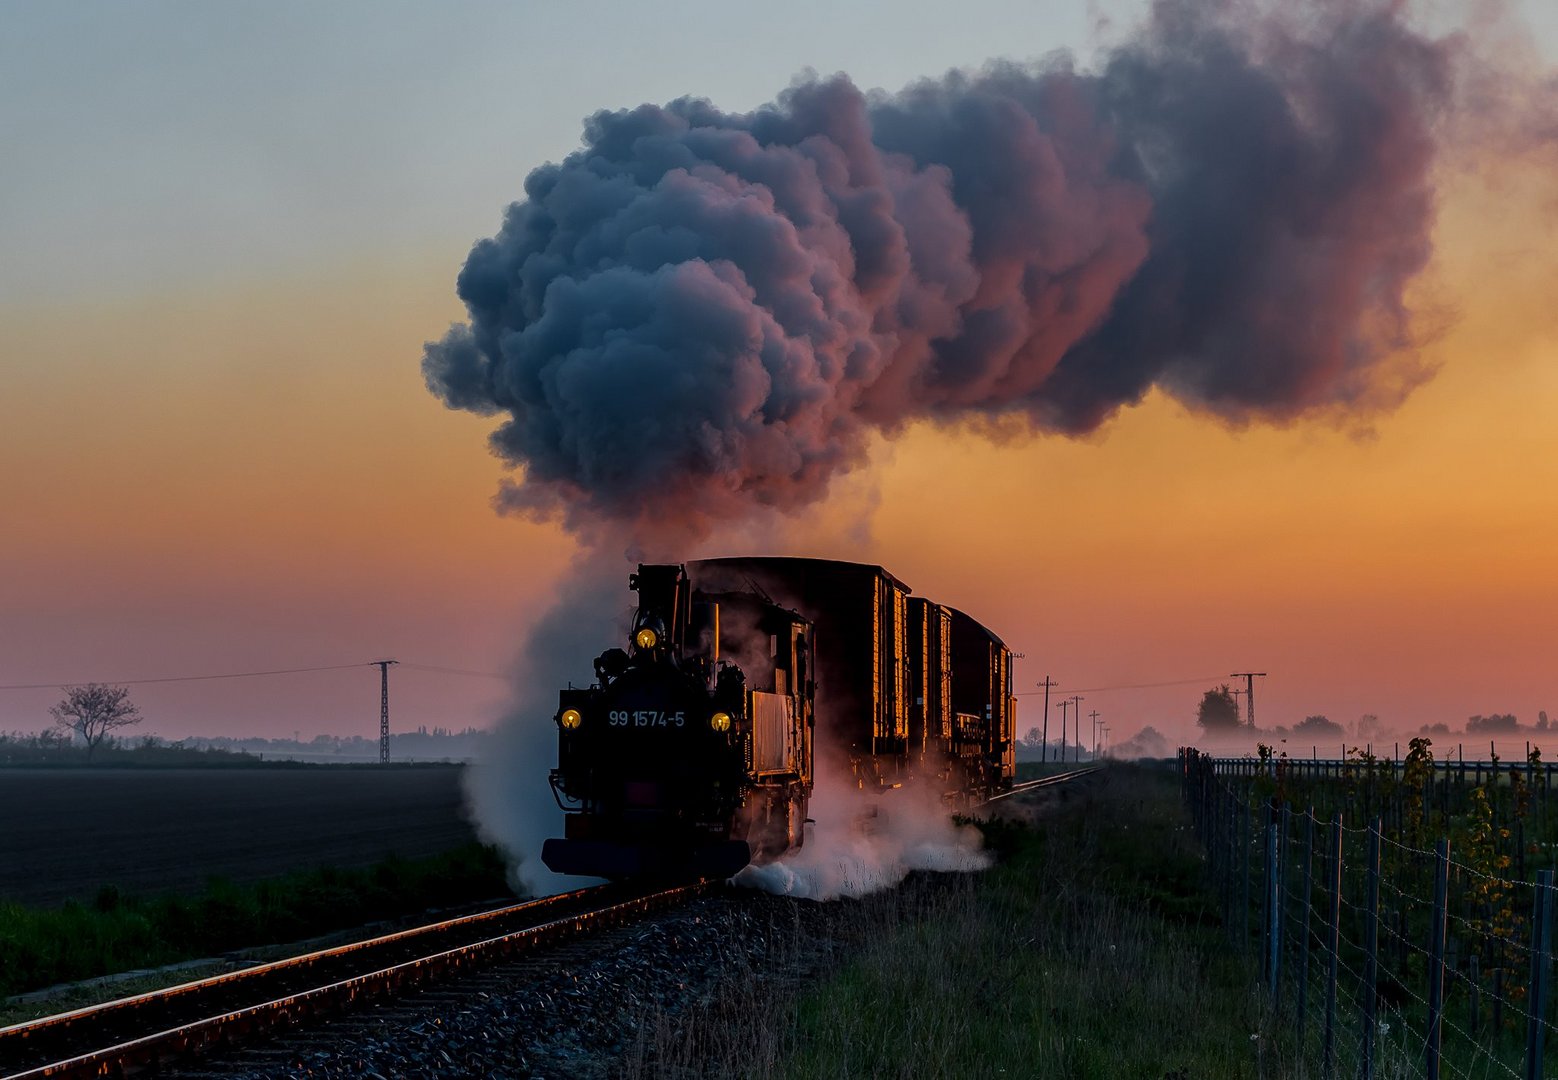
point(64, 833)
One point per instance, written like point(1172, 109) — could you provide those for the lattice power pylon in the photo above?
point(383, 666)
point(1249, 693)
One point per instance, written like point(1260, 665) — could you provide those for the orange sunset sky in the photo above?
point(219, 455)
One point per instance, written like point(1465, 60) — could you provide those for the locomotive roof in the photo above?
point(782, 562)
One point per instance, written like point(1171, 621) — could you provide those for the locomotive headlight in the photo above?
point(571, 719)
point(646, 638)
point(720, 721)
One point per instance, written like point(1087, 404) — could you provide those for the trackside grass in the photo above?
point(42, 947)
point(1092, 950)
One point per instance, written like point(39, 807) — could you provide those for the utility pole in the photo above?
point(1065, 703)
point(1078, 714)
point(383, 666)
point(1249, 693)
point(1094, 716)
point(1047, 683)
point(1106, 740)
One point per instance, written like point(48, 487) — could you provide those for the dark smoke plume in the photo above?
point(700, 314)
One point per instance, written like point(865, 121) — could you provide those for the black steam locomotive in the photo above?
point(694, 750)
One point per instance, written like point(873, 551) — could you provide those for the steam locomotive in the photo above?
point(695, 750)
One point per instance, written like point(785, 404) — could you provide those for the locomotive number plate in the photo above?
point(646, 718)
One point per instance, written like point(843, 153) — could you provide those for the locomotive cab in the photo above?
point(671, 762)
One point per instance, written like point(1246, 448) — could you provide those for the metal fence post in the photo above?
point(1229, 863)
point(1334, 944)
point(1541, 945)
point(1371, 946)
point(1303, 930)
point(1279, 901)
point(1436, 958)
point(1244, 872)
point(1273, 936)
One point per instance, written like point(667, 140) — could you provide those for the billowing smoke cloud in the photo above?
point(699, 314)
point(702, 319)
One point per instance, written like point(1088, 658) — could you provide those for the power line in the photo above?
point(453, 671)
point(251, 675)
point(1134, 686)
point(178, 678)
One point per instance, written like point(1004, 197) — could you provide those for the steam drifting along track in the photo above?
point(135, 1032)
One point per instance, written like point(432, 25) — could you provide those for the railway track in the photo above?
point(132, 1034)
point(1044, 782)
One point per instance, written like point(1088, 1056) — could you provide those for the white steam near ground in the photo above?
point(507, 792)
point(863, 841)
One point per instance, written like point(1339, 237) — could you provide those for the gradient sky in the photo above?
point(226, 231)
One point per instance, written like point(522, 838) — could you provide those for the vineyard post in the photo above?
point(1520, 847)
point(1370, 987)
point(1446, 800)
point(1436, 957)
point(1547, 776)
point(1541, 945)
point(1333, 947)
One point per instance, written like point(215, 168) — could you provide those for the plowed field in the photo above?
point(67, 832)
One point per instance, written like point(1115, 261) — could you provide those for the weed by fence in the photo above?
point(1402, 910)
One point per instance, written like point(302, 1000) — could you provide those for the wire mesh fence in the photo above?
point(1401, 910)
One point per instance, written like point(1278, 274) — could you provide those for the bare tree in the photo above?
point(93, 711)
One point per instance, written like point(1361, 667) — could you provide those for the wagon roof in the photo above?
point(779, 562)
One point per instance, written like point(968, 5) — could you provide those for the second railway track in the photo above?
point(1043, 782)
point(136, 1032)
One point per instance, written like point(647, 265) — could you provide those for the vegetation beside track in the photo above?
point(41, 947)
point(1036, 770)
point(1093, 949)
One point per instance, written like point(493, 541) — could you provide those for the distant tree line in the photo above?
point(1218, 714)
point(89, 718)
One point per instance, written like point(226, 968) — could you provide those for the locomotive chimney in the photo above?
point(665, 593)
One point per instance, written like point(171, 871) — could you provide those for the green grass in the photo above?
point(1035, 770)
point(41, 947)
point(1093, 949)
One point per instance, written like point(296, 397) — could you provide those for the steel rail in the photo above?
point(1042, 782)
point(51, 1046)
